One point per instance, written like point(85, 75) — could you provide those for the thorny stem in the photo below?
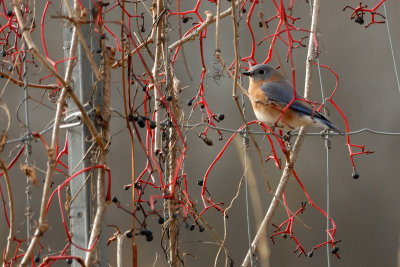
point(290, 159)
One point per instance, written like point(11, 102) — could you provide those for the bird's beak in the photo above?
point(247, 73)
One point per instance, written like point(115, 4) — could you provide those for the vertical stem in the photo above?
point(157, 102)
point(292, 156)
point(171, 170)
point(11, 231)
point(133, 244)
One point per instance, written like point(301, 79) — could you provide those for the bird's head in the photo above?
point(260, 72)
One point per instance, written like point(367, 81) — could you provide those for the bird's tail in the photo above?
point(327, 122)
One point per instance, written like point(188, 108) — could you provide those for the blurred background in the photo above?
point(365, 210)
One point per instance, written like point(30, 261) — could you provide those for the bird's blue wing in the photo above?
point(281, 92)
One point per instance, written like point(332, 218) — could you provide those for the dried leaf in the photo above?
point(30, 172)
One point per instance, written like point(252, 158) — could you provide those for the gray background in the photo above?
point(365, 210)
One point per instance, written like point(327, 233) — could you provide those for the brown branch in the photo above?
point(290, 159)
point(32, 85)
point(155, 72)
point(105, 116)
point(11, 231)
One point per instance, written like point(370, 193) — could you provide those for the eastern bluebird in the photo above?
point(270, 93)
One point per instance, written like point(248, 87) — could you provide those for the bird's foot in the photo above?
point(286, 138)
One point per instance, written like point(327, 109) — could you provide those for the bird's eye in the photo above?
point(261, 72)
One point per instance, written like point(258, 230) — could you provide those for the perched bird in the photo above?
point(270, 93)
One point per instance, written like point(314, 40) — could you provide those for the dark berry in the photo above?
point(191, 228)
point(129, 234)
point(200, 182)
point(149, 238)
point(284, 235)
point(169, 98)
point(260, 24)
point(153, 124)
point(201, 106)
point(355, 175)
point(190, 102)
point(142, 29)
point(144, 88)
point(138, 185)
point(244, 10)
point(4, 53)
point(37, 259)
point(185, 19)
point(141, 122)
point(130, 117)
point(174, 215)
point(161, 220)
point(98, 51)
point(221, 117)
point(201, 228)
point(335, 250)
point(9, 13)
point(148, 233)
point(310, 254)
point(208, 141)
point(69, 261)
point(143, 232)
point(359, 20)
point(114, 199)
point(127, 187)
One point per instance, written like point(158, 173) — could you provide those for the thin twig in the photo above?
point(32, 85)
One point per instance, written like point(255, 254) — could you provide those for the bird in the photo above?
point(270, 93)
